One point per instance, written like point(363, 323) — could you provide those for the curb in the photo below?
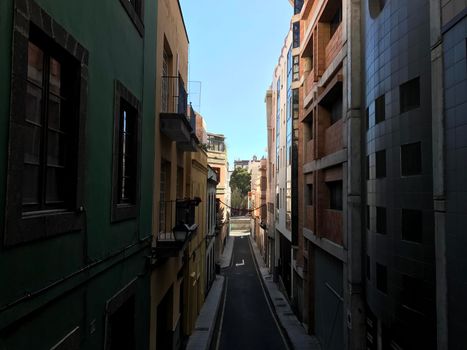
point(201, 337)
point(226, 257)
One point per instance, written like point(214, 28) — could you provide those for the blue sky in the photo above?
point(234, 47)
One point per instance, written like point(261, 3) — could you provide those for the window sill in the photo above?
point(41, 225)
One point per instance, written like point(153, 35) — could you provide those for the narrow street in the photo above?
point(246, 319)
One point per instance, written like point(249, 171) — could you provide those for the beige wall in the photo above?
point(172, 33)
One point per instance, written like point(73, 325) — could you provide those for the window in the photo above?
point(296, 35)
point(368, 267)
point(412, 293)
point(367, 115)
point(336, 110)
point(382, 278)
point(381, 220)
point(297, 6)
point(411, 159)
point(375, 7)
point(120, 319)
point(368, 217)
point(46, 133)
point(126, 155)
point(409, 95)
point(310, 193)
point(381, 164)
point(335, 21)
point(335, 195)
point(135, 10)
point(412, 225)
point(367, 167)
point(49, 139)
point(380, 109)
point(296, 68)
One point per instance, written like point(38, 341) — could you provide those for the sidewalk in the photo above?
point(226, 256)
point(289, 322)
point(201, 337)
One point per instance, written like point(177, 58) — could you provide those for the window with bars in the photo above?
point(126, 162)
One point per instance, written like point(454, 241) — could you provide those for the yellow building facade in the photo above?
point(180, 190)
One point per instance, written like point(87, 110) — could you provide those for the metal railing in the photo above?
point(173, 213)
point(174, 95)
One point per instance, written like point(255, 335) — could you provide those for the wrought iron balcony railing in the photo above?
point(174, 95)
point(177, 215)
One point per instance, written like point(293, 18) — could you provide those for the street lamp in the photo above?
point(181, 232)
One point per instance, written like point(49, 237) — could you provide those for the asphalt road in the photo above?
point(246, 320)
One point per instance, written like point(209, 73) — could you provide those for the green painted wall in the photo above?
point(116, 51)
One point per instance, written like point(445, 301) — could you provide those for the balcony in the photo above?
point(174, 122)
point(176, 226)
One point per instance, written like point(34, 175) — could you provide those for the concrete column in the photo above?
point(437, 104)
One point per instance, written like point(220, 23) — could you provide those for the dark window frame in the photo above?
point(129, 210)
point(381, 220)
point(135, 10)
point(411, 166)
point(412, 225)
point(29, 18)
point(334, 202)
point(380, 109)
point(114, 304)
point(380, 164)
point(408, 98)
point(382, 278)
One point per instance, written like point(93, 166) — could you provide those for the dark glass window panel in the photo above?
point(411, 159)
point(381, 220)
point(409, 94)
point(412, 293)
point(335, 195)
point(56, 185)
point(380, 109)
point(56, 148)
point(381, 164)
point(31, 178)
point(298, 4)
point(34, 104)
point(367, 167)
point(127, 156)
point(368, 267)
point(310, 194)
point(296, 35)
point(336, 110)
point(35, 64)
point(367, 115)
point(55, 77)
point(55, 113)
point(122, 327)
point(368, 217)
point(412, 225)
point(381, 278)
point(336, 21)
point(32, 144)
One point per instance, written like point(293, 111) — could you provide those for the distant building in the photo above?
point(217, 160)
